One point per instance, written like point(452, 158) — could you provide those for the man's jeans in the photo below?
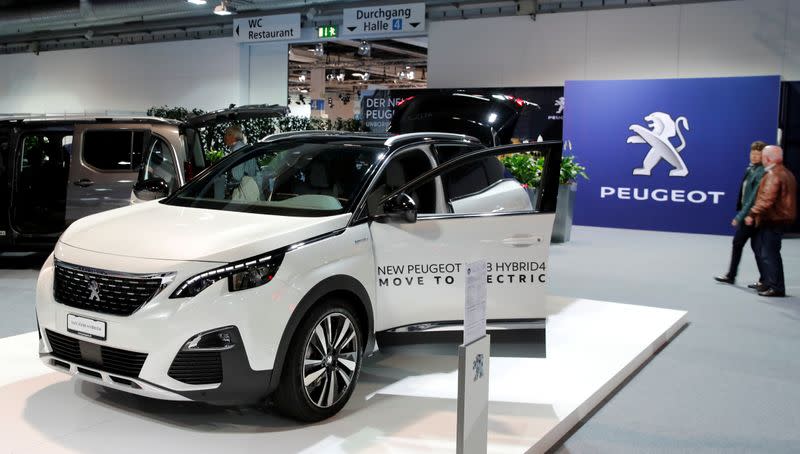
point(770, 238)
point(743, 233)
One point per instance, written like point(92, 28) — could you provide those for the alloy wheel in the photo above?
point(330, 360)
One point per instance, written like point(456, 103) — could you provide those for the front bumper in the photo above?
point(239, 385)
point(161, 327)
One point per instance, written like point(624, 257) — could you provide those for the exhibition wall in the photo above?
point(660, 160)
point(208, 74)
point(733, 38)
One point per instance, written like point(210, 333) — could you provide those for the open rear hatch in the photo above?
point(247, 112)
point(490, 119)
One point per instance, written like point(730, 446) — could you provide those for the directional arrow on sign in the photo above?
point(413, 24)
point(237, 30)
point(352, 28)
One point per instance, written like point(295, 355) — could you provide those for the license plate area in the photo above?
point(88, 327)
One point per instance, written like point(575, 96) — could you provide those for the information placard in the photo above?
point(475, 302)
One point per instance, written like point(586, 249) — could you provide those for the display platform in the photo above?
point(405, 400)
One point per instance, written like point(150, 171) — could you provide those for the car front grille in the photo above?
point(197, 368)
point(106, 292)
point(108, 359)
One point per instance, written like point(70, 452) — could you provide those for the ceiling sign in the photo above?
point(409, 18)
point(283, 27)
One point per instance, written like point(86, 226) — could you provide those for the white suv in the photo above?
point(272, 272)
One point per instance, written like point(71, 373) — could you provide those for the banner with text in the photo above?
point(544, 119)
point(666, 154)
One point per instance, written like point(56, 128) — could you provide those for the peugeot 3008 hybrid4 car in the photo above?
point(270, 274)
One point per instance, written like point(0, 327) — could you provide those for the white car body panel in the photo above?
point(185, 234)
point(412, 296)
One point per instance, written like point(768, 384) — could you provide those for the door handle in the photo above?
point(84, 182)
point(522, 241)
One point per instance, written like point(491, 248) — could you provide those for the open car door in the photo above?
point(487, 215)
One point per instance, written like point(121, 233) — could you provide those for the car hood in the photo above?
point(156, 231)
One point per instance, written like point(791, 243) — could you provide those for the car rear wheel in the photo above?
point(322, 364)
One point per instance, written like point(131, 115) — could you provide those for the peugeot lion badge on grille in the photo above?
point(95, 289)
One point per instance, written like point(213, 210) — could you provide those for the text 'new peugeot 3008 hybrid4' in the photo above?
point(270, 274)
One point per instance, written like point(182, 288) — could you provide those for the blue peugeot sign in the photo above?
point(666, 154)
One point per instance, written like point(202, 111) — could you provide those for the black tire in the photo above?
point(330, 389)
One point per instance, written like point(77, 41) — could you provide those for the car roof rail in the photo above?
point(322, 132)
point(417, 136)
point(99, 117)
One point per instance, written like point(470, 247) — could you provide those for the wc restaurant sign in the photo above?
point(281, 27)
point(666, 154)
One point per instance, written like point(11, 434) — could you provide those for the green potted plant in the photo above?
point(565, 207)
point(527, 169)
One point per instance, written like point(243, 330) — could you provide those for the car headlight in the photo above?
point(241, 275)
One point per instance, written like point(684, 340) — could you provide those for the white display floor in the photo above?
point(404, 402)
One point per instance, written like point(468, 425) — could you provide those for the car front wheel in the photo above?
point(322, 364)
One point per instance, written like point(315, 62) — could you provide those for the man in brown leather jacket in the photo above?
point(775, 208)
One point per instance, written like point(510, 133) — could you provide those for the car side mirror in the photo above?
point(401, 208)
point(151, 189)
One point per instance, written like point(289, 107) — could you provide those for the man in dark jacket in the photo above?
point(775, 208)
point(747, 196)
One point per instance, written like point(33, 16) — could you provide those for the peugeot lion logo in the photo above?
point(560, 105)
point(662, 128)
point(477, 366)
point(95, 289)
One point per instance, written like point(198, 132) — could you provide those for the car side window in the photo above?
point(159, 163)
point(403, 168)
point(485, 186)
point(113, 150)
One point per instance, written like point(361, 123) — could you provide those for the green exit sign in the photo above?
point(328, 31)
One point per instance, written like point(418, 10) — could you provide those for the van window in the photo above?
point(113, 150)
point(41, 182)
point(195, 159)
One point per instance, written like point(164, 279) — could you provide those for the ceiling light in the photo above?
point(410, 75)
point(302, 77)
point(224, 8)
point(88, 35)
point(319, 50)
point(197, 2)
point(340, 76)
point(364, 49)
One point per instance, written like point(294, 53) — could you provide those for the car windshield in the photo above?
point(290, 177)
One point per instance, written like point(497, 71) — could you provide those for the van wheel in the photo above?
point(322, 364)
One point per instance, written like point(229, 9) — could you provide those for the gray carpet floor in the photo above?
point(727, 383)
